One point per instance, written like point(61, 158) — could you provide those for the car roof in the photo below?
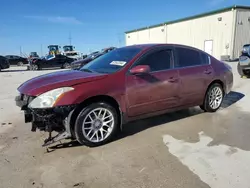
point(153, 45)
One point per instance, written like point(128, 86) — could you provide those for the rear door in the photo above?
point(157, 90)
point(59, 60)
point(195, 74)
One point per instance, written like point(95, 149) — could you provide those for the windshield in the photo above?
point(113, 61)
point(68, 48)
point(246, 48)
point(48, 57)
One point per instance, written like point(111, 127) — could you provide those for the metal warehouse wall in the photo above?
point(242, 32)
point(191, 32)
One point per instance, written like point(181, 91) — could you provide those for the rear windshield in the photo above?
point(112, 61)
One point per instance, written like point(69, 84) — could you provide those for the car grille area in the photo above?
point(23, 101)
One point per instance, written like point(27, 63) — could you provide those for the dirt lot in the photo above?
point(188, 148)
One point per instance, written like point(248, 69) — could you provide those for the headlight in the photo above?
point(48, 99)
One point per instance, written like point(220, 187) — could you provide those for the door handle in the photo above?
point(207, 72)
point(173, 79)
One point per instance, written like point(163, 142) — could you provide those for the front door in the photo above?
point(157, 90)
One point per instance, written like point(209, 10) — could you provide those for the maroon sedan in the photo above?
point(129, 83)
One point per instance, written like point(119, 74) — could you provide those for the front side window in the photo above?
point(188, 57)
point(113, 61)
point(157, 61)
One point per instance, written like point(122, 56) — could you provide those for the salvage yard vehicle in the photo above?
point(33, 55)
point(51, 61)
point(75, 65)
point(244, 61)
point(16, 60)
point(79, 63)
point(69, 51)
point(92, 104)
point(106, 50)
point(4, 63)
point(54, 49)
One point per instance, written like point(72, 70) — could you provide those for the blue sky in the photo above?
point(93, 24)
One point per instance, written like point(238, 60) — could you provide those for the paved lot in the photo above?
point(187, 149)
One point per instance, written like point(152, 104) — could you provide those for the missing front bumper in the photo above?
point(52, 119)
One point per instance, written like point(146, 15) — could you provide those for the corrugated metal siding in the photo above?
point(143, 37)
point(242, 33)
point(131, 38)
point(194, 33)
point(157, 34)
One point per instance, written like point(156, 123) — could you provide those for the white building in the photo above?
point(221, 33)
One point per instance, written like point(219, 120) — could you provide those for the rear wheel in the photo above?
point(213, 99)
point(96, 124)
point(66, 65)
point(20, 63)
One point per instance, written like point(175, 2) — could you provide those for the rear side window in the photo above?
point(157, 61)
point(205, 59)
point(188, 57)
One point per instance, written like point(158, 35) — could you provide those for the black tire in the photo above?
point(240, 71)
point(81, 138)
point(206, 105)
point(35, 67)
point(20, 63)
point(66, 65)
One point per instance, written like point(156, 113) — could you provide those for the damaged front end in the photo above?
point(48, 119)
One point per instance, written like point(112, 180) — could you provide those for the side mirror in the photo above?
point(140, 69)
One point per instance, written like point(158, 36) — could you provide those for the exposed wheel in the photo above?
point(35, 67)
point(213, 98)
point(20, 63)
point(66, 66)
point(246, 73)
point(96, 124)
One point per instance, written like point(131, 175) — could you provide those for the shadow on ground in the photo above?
point(231, 98)
point(143, 124)
point(17, 70)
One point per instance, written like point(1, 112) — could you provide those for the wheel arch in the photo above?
point(98, 98)
point(218, 81)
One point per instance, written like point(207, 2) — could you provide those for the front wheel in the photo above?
point(96, 124)
point(213, 99)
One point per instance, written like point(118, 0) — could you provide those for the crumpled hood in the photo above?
point(46, 82)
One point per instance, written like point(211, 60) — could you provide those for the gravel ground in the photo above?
point(188, 148)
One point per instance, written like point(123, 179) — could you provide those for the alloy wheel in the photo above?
point(215, 97)
point(35, 67)
point(20, 63)
point(66, 65)
point(98, 125)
